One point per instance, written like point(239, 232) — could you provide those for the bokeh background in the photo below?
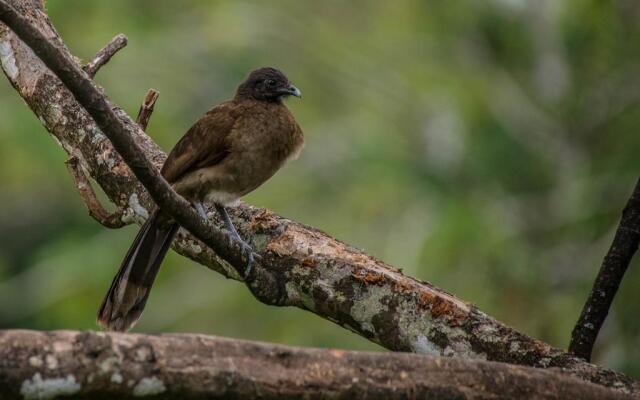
point(487, 147)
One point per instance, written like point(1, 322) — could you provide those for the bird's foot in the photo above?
point(247, 252)
point(201, 211)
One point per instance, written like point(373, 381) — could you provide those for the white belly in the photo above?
point(222, 198)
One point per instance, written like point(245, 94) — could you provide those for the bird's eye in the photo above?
point(271, 82)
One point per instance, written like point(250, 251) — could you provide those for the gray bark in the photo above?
point(313, 271)
point(37, 365)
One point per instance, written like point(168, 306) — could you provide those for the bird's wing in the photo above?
point(204, 144)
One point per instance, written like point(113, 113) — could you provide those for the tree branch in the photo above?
point(96, 210)
point(117, 219)
point(115, 128)
point(146, 108)
point(615, 264)
point(110, 365)
point(300, 266)
point(104, 55)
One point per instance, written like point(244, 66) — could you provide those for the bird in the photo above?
point(230, 151)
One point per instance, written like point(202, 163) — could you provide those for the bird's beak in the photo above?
point(293, 91)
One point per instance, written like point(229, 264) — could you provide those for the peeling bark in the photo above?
point(36, 365)
point(309, 269)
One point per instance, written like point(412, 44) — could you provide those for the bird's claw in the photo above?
point(248, 252)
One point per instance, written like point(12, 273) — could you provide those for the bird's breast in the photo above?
point(268, 136)
point(262, 140)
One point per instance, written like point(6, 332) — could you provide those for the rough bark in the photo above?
point(37, 365)
point(309, 269)
point(615, 264)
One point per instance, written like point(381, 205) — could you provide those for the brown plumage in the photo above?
point(230, 151)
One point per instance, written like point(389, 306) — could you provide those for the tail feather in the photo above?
point(129, 291)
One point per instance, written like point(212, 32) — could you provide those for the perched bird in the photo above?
point(230, 151)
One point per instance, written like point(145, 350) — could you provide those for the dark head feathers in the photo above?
point(267, 84)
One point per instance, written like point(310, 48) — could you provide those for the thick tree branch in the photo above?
point(100, 365)
point(615, 264)
point(301, 266)
point(104, 55)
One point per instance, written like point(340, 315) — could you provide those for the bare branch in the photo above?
point(96, 210)
point(146, 108)
point(122, 366)
point(301, 266)
point(615, 264)
point(105, 54)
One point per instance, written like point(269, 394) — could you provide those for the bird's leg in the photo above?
point(234, 233)
point(201, 210)
point(227, 222)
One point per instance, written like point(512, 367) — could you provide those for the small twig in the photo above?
point(595, 310)
point(146, 108)
point(96, 210)
point(104, 55)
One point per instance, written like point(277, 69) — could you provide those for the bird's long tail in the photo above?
point(130, 288)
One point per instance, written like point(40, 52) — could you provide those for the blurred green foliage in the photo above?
point(488, 147)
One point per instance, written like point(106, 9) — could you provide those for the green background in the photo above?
point(487, 147)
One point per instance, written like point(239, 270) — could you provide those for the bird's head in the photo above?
point(268, 84)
